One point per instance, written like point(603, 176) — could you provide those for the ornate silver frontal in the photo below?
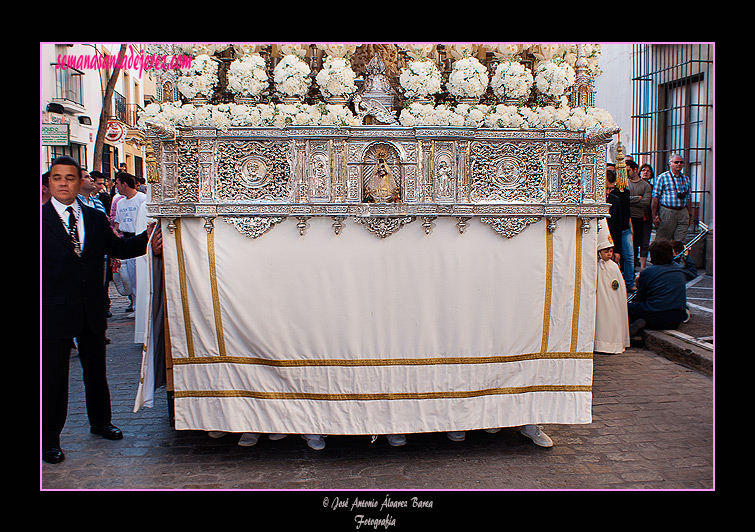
point(381, 176)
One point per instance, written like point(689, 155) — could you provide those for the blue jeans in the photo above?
point(627, 257)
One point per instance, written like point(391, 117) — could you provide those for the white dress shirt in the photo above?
point(62, 211)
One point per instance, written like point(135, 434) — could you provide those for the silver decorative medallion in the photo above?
point(384, 226)
point(509, 226)
point(253, 226)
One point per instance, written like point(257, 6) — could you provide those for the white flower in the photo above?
point(511, 80)
point(468, 78)
point(577, 119)
point(420, 79)
point(418, 51)
point(417, 114)
point(200, 78)
point(554, 78)
point(299, 50)
point(472, 115)
point(220, 117)
point(149, 112)
point(247, 75)
point(337, 115)
point(546, 52)
point(291, 76)
point(338, 50)
point(240, 115)
point(267, 113)
point(507, 50)
point(504, 116)
point(202, 116)
point(336, 77)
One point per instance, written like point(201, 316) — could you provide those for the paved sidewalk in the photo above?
point(652, 429)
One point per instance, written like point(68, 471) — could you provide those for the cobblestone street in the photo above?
point(652, 429)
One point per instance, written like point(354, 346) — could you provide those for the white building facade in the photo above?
point(73, 78)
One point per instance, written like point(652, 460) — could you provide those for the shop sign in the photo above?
point(116, 132)
point(56, 135)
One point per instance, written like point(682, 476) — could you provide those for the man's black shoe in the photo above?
point(53, 455)
point(109, 432)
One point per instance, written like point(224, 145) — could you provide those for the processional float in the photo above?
point(375, 277)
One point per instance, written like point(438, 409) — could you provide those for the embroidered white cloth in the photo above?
point(355, 334)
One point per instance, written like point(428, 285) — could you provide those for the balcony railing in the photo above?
point(68, 85)
point(128, 113)
point(119, 107)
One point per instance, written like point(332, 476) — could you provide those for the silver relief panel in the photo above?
point(379, 175)
point(319, 170)
point(252, 170)
point(508, 172)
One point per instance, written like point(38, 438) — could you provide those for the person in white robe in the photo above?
point(141, 268)
point(611, 314)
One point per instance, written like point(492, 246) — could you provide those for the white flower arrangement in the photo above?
point(168, 113)
point(468, 78)
point(511, 80)
point(337, 115)
point(247, 76)
point(473, 115)
point(338, 50)
point(336, 77)
point(418, 114)
point(554, 78)
point(549, 117)
point(150, 111)
point(420, 79)
point(200, 78)
point(224, 116)
point(504, 117)
point(291, 76)
point(418, 51)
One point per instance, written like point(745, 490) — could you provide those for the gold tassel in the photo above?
point(153, 174)
point(621, 169)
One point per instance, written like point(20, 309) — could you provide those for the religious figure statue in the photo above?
point(376, 99)
point(384, 188)
point(443, 176)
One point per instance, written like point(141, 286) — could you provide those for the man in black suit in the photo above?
point(75, 240)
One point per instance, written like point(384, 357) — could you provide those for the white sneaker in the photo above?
point(396, 440)
point(277, 436)
point(315, 441)
point(216, 433)
point(248, 439)
point(456, 436)
point(534, 433)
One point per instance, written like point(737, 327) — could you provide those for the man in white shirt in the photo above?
point(126, 214)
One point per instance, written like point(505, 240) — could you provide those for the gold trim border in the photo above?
point(577, 290)
point(182, 394)
point(215, 297)
point(435, 361)
point(184, 289)
point(548, 289)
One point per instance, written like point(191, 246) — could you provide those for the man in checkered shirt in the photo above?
point(671, 202)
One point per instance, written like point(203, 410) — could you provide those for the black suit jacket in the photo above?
point(73, 290)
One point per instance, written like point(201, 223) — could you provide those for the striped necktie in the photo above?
point(73, 231)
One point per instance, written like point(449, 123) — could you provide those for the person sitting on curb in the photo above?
point(661, 298)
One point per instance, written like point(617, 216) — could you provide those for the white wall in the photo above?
point(613, 89)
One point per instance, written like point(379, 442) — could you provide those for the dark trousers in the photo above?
point(662, 320)
point(56, 355)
